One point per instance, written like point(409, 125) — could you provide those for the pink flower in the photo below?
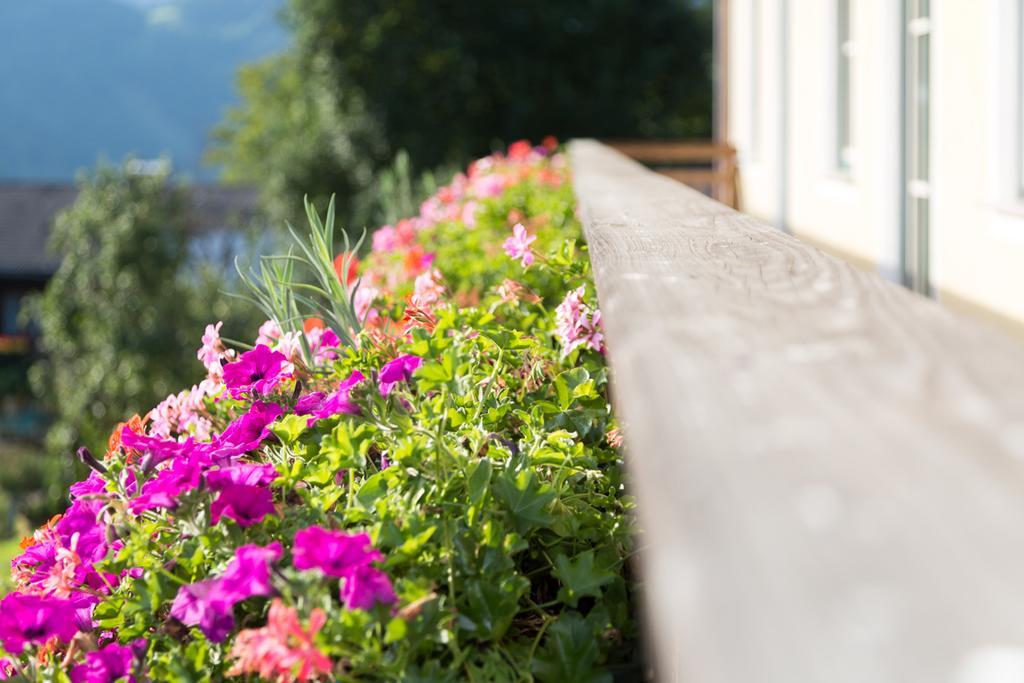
point(428, 289)
point(365, 586)
point(335, 553)
point(268, 334)
point(338, 403)
point(398, 370)
point(111, 663)
point(257, 371)
point(384, 239)
point(348, 557)
point(576, 325)
point(323, 342)
point(244, 503)
point(212, 350)
point(282, 651)
point(246, 432)
point(518, 245)
point(31, 619)
point(363, 303)
point(469, 214)
point(210, 604)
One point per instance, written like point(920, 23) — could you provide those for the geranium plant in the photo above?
point(412, 474)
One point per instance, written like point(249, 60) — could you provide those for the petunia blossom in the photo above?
point(518, 245)
point(258, 371)
point(333, 552)
point(31, 619)
point(337, 403)
point(396, 371)
point(365, 586)
point(114, 662)
point(245, 504)
point(283, 650)
point(209, 604)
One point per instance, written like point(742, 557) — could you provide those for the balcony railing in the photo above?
point(829, 469)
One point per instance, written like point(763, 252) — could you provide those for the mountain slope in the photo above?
point(84, 79)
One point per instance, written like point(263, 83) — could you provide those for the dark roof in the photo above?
point(26, 214)
point(27, 211)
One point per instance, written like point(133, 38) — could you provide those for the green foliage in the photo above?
point(121, 318)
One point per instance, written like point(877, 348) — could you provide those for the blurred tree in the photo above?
point(121, 319)
point(448, 81)
point(293, 138)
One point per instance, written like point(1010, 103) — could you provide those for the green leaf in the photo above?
point(372, 489)
point(525, 499)
point(579, 577)
point(346, 445)
point(570, 653)
point(489, 606)
point(289, 428)
point(395, 630)
point(479, 477)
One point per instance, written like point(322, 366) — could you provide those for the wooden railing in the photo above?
point(709, 167)
point(829, 469)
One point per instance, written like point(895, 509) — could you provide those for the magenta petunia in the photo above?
point(163, 490)
point(245, 504)
point(332, 552)
point(247, 432)
point(32, 619)
point(209, 604)
point(92, 485)
point(206, 605)
point(310, 403)
point(396, 371)
point(246, 473)
point(365, 586)
point(338, 403)
point(155, 450)
point(259, 371)
point(114, 662)
point(249, 573)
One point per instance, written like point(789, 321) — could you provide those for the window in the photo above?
point(755, 79)
point(10, 306)
point(1020, 99)
point(844, 55)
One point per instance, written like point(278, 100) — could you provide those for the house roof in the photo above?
point(27, 211)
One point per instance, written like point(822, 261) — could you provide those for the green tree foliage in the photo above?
point(122, 317)
point(293, 138)
point(449, 81)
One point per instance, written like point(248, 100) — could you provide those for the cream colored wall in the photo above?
point(978, 216)
point(754, 120)
point(856, 212)
point(977, 230)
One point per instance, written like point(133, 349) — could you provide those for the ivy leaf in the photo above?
point(579, 577)
point(570, 652)
point(525, 499)
point(345, 446)
point(289, 428)
point(479, 477)
point(489, 606)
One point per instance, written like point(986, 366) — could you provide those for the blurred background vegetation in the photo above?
point(375, 102)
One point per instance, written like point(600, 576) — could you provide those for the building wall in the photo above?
point(977, 227)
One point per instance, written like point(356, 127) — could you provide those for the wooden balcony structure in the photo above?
point(829, 469)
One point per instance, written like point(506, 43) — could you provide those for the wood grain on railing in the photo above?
point(829, 469)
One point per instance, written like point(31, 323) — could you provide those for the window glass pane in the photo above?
point(843, 55)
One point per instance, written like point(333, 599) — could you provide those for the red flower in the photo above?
point(353, 268)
